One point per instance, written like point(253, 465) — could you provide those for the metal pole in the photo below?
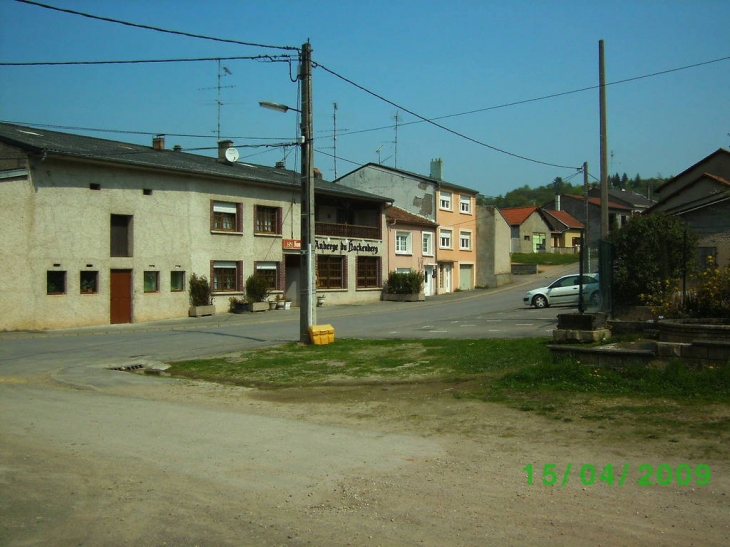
point(604, 142)
point(307, 311)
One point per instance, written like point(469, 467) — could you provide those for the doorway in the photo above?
point(120, 297)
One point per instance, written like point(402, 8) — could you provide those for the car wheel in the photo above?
point(540, 301)
point(596, 299)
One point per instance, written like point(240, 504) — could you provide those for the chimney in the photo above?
point(177, 148)
point(557, 202)
point(437, 168)
point(158, 142)
point(222, 147)
point(317, 174)
point(280, 165)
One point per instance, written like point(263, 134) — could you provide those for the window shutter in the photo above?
point(212, 216)
point(239, 217)
point(212, 269)
point(279, 221)
point(239, 275)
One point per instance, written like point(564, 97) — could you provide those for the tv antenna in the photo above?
point(223, 71)
point(396, 118)
point(334, 136)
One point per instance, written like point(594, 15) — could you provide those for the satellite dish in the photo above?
point(231, 154)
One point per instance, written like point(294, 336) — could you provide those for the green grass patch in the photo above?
point(545, 259)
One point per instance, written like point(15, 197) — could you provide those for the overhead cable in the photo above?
point(156, 29)
point(271, 58)
point(466, 137)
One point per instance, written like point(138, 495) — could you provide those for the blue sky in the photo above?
point(433, 58)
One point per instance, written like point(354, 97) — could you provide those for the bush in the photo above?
point(257, 287)
point(410, 282)
point(199, 289)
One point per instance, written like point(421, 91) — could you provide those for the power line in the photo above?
point(466, 137)
point(156, 29)
point(271, 58)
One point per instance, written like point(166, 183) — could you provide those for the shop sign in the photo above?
point(345, 247)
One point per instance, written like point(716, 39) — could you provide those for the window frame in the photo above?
point(172, 280)
point(265, 272)
point(234, 269)
point(220, 210)
point(445, 200)
point(90, 280)
point(275, 219)
point(442, 233)
point(121, 235)
point(465, 200)
point(63, 281)
point(330, 264)
point(369, 272)
point(465, 234)
point(151, 275)
point(402, 236)
point(427, 243)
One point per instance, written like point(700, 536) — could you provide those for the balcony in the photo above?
point(347, 230)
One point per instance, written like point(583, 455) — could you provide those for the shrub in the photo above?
point(199, 289)
point(257, 287)
point(410, 282)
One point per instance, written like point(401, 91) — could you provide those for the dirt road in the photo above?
point(177, 463)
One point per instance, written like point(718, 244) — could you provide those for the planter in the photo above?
point(689, 330)
point(409, 297)
point(320, 301)
point(287, 304)
point(279, 304)
point(200, 311)
point(239, 308)
point(272, 304)
point(259, 306)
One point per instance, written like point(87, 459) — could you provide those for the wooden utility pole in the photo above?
point(604, 142)
point(307, 311)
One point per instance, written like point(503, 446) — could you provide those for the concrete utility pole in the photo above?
point(586, 232)
point(604, 142)
point(307, 280)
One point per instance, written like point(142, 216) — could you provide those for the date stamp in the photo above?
point(648, 475)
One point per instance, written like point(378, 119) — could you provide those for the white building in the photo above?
point(99, 232)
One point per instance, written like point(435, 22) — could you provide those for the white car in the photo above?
point(565, 291)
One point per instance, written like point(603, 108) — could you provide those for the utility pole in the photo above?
point(307, 311)
point(586, 232)
point(334, 136)
point(604, 143)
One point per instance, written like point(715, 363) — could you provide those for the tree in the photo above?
point(647, 252)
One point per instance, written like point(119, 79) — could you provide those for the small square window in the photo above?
point(94, 186)
point(88, 282)
point(147, 191)
point(151, 281)
point(177, 281)
point(55, 282)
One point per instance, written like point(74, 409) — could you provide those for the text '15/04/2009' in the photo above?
point(648, 475)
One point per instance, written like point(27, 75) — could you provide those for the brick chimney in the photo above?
point(437, 169)
point(158, 142)
point(222, 147)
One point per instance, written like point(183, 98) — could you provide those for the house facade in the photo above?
point(529, 233)
point(102, 232)
point(451, 206)
point(494, 262)
point(700, 196)
point(411, 243)
point(565, 231)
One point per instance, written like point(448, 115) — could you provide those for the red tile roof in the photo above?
point(517, 215)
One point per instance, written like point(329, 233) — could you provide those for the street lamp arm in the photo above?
point(277, 106)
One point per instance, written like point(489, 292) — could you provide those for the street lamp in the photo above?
point(307, 290)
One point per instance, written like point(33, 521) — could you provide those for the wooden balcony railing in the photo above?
point(346, 230)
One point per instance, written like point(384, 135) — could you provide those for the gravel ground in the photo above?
point(179, 463)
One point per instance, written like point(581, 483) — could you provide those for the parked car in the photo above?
point(565, 291)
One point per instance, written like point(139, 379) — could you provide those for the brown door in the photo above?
point(120, 297)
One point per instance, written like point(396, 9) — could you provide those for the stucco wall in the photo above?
point(534, 224)
point(493, 248)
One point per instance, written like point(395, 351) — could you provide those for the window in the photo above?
point(121, 235)
point(177, 281)
point(330, 272)
point(151, 281)
point(706, 257)
point(368, 272)
point(226, 217)
point(55, 282)
point(268, 220)
point(403, 242)
point(227, 275)
point(445, 239)
point(465, 241)
point(465, 204)
point(445, 201)
point(427, 243)
point(88, 282)
point(269, 270)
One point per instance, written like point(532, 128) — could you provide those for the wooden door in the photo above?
point(120, 290)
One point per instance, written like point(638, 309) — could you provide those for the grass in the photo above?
point(545, 259)
point(517, 372)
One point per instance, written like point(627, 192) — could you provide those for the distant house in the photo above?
point(529, 232)
point(636, 202)
point(98, 232)
point(565, 231)
point(700, 196)
point(411, 243)
point(451, 206)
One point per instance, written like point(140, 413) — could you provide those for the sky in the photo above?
point(513, 85)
